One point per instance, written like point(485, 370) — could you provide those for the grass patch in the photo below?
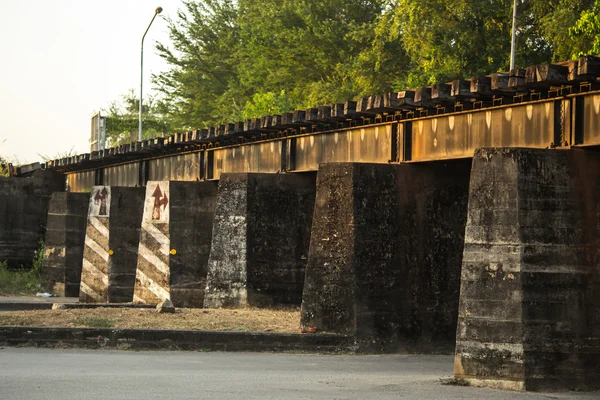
point(18, 282)
point(22, 281)
point(94, 322)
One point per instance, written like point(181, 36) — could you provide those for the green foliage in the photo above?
point(267, 104)
point(555, 18)
point(200, 88)
point(3, 164)
point(18, 282)
point(94, 322)
point(446, 39)
point(234, 59)
point(122, 119)
point(319, 52)
point(38, 259)
point(22, 281)
point(586, 32)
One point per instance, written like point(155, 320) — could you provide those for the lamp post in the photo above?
point(514, 36)
point(156, 12)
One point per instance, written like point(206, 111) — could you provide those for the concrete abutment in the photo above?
point(175, 242)
point(24, 206)
point(260, 239)
point(529, 316)
point(385, 253)
point(64, 243)
point(111, 240)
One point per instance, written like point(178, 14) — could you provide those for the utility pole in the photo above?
point(514, 36)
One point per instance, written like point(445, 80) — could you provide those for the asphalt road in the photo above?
point(78, 374)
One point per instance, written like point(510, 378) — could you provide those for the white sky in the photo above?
point(62, 60)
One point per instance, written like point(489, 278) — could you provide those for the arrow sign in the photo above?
point(100, 197)
point(160, 199)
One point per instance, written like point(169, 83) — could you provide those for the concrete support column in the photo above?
point(175, 242)
point(23, 214)
point(529, 316)
point(64, 243)
point(385, 253)
point(260, 240)
point(111, 240)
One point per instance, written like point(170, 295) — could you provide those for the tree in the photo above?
point(231, 59)
point(554, 18)
point(319, 52)
point(586, 31)
point(268, 103)
point(447, 39)
point(200, 87)
point(122, 119)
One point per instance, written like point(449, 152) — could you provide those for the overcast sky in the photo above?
point(63, 60)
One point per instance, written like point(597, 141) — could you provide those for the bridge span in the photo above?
point(552, 106)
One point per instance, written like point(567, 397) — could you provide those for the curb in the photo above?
point(25, 306)
point(31, 306)
point(143, 339)
point(87, 306)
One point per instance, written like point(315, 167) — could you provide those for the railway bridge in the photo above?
point(459, 217)
point(553, 106)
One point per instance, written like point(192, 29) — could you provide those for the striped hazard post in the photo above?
point(153, 273)
point(94, 273)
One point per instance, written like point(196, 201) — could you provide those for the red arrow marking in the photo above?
point(100, 197)
point(160, 199)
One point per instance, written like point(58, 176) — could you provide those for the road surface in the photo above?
point(27, 373)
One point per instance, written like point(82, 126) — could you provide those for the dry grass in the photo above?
point(243, 320)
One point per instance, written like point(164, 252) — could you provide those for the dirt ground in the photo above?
point(243, 320)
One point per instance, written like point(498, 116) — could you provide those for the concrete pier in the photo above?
point(111, 241)
point(64, 243)
point(385, 254)
point(23, 214)
point(260, 240)
point(175, 242)
point(530, 286)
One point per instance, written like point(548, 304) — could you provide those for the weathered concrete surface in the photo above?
point(111, 242)
point(175, 242)
point(25, 303)
point(23, 214)
point(260, 240)
point(164, 339)
point(530, 286)
point(385, 253)
point(64, 243)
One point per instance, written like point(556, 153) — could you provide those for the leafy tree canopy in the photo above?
point(122, 119)
point(586, 32)
point(236, 59)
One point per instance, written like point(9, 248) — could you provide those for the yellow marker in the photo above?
point(173, 251)
point(110, 252)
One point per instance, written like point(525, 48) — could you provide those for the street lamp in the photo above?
point(156, 12)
